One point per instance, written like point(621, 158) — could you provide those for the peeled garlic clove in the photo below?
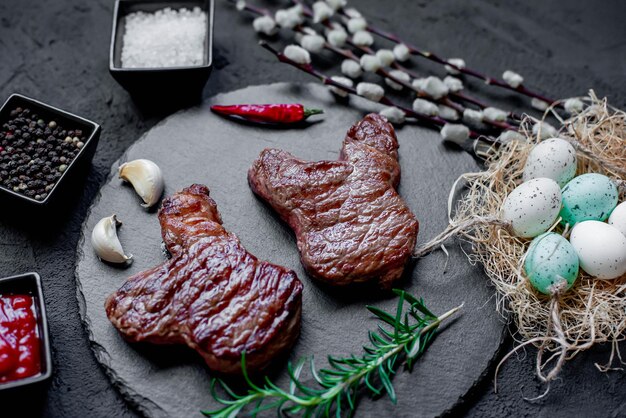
point(106, 243)
point(146, 178)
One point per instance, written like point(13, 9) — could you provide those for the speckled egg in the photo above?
point(532, 207)
point(554, 158)
point(589, 197)
point(551, 263)
point(601, 249)
point(618, 218)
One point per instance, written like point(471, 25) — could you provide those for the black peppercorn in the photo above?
point(35, 152)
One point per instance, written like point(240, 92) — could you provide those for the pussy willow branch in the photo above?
point(308, 68)
point(436, 58)
point(454, 95)
point(461, 96)
point(384, 73)
point(444, 101)
point(347, 54)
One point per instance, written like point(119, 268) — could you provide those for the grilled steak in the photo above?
point(350, 223)
point(212, 295)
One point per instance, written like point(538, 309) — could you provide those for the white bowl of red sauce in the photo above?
point(24, 343)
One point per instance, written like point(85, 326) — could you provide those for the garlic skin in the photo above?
point(105, 242)
point(146, 178)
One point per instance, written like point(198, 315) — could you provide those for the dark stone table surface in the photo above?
point(57, 51)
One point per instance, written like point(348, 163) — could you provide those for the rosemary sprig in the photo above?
point(400, 340)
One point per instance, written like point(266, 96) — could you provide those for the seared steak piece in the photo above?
point(350, 223)
point(212, 295)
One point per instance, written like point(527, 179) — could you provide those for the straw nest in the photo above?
point(593, 311)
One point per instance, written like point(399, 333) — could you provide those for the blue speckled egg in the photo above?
point(554, 158)
point(589, 197)
point(551, 263)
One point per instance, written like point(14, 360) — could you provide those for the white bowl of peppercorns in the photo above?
point(40, 146)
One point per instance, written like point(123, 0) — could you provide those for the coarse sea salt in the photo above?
point(165, 38)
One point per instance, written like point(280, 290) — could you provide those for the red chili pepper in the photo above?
point(268, 113)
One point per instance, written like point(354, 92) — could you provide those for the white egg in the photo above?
point(554, 158)
point(618, 218)
point(601, 249)
point(532, 207)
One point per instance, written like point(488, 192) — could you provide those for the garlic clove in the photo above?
point(106, 243)
point(146, 178)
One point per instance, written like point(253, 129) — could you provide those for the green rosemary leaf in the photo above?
point(351, 398)
point(261, 407)
point(216, 396)
point(391, 363)
point(228, 390)
point(376, 391)
point(415, 303)
point(384, 332)
point(294, 409)
point(314, 372)
point(280, 408)
point(244, 371)
point(406, 324)
point(329, 405)
point(352, 360)
point(332, 372)
point(307, 391)
point(338, 405)
point(377, 338)
point(294, 374)
point(412, 300)
point(319, 411)
point(368, 350)
point(228, 412)
point(399, 309)
point(257, 408)
point(382, 315)
point(416, 347)
point(423, 309)
point(386, 382)
point(271, 386)
point(338, 364)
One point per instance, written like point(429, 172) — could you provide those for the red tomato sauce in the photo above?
point(19, 338)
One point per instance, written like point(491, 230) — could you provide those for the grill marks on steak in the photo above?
point(350, 223)
point(212, 295)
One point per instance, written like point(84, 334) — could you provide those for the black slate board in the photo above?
point(197, 146)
